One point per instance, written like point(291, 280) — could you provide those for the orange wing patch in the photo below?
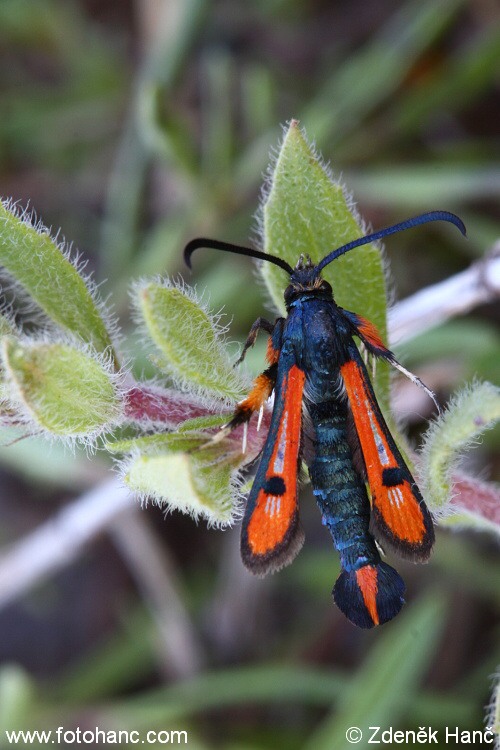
point(272, 536)
point(369, 332)
point(398, 511)
point(367, 581)
point(272, 354)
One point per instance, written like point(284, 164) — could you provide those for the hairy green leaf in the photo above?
point(469, 414)
point(34, 259)
point(204, 423)
point(64, 390)
point(307, 212)
point(190, 341)
point(173, 442)
point(195, 483)
point(387, 683)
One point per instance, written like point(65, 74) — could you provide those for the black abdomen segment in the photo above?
point(340, 492)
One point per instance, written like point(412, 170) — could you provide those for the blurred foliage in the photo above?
point(136, 126)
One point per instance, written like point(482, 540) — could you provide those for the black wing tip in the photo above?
point(415, 553)
point(278, 558)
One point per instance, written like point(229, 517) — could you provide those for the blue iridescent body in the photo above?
point(312, 329)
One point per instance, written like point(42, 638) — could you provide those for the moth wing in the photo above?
point(271, 535)
point(399, 515)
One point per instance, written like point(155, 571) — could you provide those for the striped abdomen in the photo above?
point(368, 591)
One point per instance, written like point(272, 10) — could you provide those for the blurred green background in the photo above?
point(134, 126)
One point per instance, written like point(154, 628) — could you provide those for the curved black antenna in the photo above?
point(408, 224)
point(230, 248)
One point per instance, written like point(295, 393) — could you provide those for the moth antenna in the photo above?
point(228, 247)
point(408, 224)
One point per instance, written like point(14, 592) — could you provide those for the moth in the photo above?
point(325, 412)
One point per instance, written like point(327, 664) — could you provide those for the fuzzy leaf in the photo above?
point(33, 259)
point(385, 686)
point(18, 698)
point(204, 423)
point(190, 341)
point(63, 389)
point(472, 412)
point(194, 483)
point(307, 212)
point(170, 441)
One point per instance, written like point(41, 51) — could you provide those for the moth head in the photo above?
point(306, 279)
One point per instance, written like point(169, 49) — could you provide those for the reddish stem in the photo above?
point(169, 408)
point(478, 497)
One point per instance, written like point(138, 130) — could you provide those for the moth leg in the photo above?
point(260, 324)
point(264, 383)
point(372, 341)
point(263, 386)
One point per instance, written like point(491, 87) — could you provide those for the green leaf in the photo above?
point(118, 661)
point(17, 699)
point(226, 689)
point(373, 73)
point(190, 340)
point(266, 684)
point(307, 212)
point(471, 338)
point(387, 683)
point(463, 78)
point(417, 186)
point(204, 423)
point(198, 483)
point(471, 412)
point(34, 259)
point(64, 390)
point(170, 441)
